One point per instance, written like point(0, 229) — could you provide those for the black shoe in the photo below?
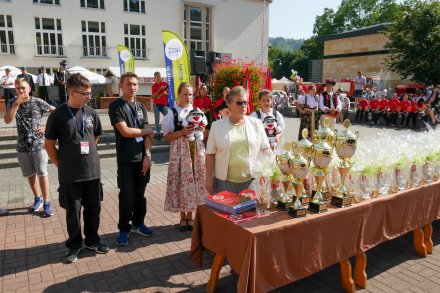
point(98, 248)
point(72, 255)
point(158, 137)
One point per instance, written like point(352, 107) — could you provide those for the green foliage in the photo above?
point(233, 74)
point(289, 60)
point(354, 14)
point(414, 41)
point(286, 44)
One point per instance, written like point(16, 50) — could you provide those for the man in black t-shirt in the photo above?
point(32, 157)
point(133, 148)
point(77, 127)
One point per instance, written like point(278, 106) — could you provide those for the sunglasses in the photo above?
point(241, 103)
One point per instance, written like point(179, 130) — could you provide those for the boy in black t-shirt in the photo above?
point(133, 148)
point(77, 127)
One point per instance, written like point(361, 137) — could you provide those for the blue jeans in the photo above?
point(157, 110)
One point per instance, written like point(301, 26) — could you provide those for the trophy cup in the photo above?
point(284, 162)
point(322, 156)
point(345, 148)
point(300, 168)
point(304, 149)
point(305, 144)
point(326, 135)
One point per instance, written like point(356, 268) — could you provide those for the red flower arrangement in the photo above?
point(234, 73)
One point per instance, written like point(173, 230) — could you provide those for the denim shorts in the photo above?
point(32, 163)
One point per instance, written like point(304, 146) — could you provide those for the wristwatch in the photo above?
point(148, 154)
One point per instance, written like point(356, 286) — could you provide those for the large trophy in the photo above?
point(284, 162)
point(345, 146)
point(322, 156)
point(327, 135)
point(304, 147)
point(300, 169)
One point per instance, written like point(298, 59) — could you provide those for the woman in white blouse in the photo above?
point(186, 170)
point(231, 144)
point(307, 106)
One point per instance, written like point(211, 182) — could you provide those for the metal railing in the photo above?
point(95, 51)
point(49, 50)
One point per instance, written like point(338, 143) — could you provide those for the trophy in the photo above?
point(304, 147)
point(284, 162)
point(322, 154)
point(345, 148)
point(327, 135)
point(300, 169)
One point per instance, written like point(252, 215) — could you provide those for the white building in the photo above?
point(86, 32)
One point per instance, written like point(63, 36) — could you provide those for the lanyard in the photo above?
point(134, 117)
point(80, 130)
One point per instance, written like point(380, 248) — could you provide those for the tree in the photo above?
point(414, 41)
point(289, 60)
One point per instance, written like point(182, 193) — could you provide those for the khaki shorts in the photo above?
point(32, 163)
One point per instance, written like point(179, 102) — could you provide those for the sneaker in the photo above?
point(72, 255)
point(122, 238)
point(142, 230)
point(47, 209)
point(98, 248)
point(38, 203)
point(3, 213)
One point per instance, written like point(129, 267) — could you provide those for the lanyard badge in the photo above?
point(84, 145)
point(134, 118)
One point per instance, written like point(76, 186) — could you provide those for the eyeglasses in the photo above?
point(85, 95)
point(242, 103)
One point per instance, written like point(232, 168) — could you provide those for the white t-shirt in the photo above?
point(279, 118)
point(360, 82)
point(168, 120)
point(8, 79)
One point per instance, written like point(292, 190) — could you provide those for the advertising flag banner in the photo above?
point(176, 64)
point(126, 60)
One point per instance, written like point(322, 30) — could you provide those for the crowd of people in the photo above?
point(216, 161)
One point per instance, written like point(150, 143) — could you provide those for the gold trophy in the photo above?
point(345, 145)
point(284, 162)
point(327, 135)
point(300, 168)
point(322, 156)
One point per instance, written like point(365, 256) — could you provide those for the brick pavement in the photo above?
point(32, 249)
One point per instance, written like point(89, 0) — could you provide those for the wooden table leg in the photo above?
point(360, 275)
point(427, 235)
point(419, 242)
point(215, 271)
point(346, 276)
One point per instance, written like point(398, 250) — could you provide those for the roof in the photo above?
point(368, 30)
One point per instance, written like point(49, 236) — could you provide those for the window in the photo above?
point(98, 4)
point(93, 38)
point(6, 35)
point(49, 36)
point(196, 27)
point(134, 36)
point(53, 2)
point(134, 6)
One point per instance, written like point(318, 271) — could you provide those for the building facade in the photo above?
point(359, 50)
point(34, 33)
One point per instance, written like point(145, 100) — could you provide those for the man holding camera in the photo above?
point(32, 157)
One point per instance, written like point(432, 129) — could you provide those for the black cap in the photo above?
point(22, 68)
point(330, 81)
point(63, 63)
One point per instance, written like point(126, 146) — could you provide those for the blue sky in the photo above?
point(295, 18)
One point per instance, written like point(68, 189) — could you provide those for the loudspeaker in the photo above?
point(198, 61)
point(213, 57)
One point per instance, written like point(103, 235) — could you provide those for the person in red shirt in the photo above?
point(159, 95)
point(381, 110)
point(374, 106)
point(405, 106)
point(219, 102)
point(204, 103)
point(362, 111)
point(393, 110)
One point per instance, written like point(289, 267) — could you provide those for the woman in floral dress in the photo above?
point(186, 170)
